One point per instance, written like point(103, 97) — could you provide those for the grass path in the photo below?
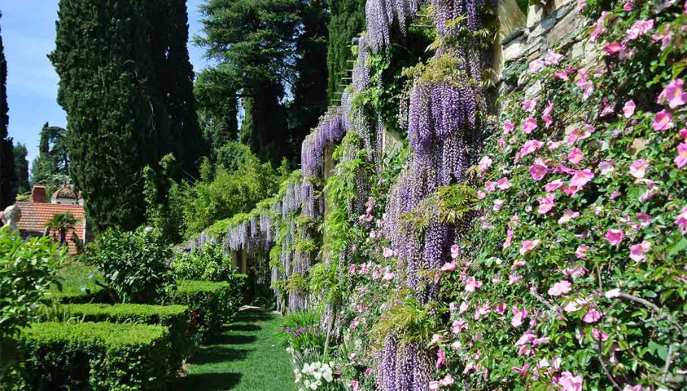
point(245, 357)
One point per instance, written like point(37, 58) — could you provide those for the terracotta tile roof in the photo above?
point(35, 215)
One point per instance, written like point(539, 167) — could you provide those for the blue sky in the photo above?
point(28, 33)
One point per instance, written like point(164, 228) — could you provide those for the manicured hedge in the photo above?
point(95, 356)
point(175, 317)
point(211, 304)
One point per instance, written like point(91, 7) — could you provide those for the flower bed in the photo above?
point(96, 356)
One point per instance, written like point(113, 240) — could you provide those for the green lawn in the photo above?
point(76, 279)
point(245, 357)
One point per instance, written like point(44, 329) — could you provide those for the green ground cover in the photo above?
point(246, 356)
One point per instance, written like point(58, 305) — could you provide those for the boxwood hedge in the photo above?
point(211, 304)
point(95, 356)
point(175, 317)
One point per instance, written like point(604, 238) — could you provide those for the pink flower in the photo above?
point(581, 4)
point(581, 251)
point(683, 133)
point(606, 167)
point(598, 27)
point(592, 316)
point(553, 185)
point(599, 335)
point(575, 156)
point(508, 126)
point(613, 48)
point(681, 158)
point(627, 7)
point(538, 170)
point(614, 236)
point(546, 115)
point(536, 66)
point(529, 147)
point(569, 382)
point(490, 186)
point(455, 251)
point(638, 168)
point(441, 358)
point(639, 28)
point(663, 121)
point(629, 108)
point(447, 380)
point(388, 276)
point(522, 371)
point(664, 37)
point(355, 386)
point(586, 85)
point(528, 245)
point(434, 385)
point(518, 316)
point(529, 105)
point(449, 266)
point(500, 308)
point(552, 58)
point(484, 164)
point(529, 125)
point(674, 94)
point(612, 293)
point(458, 326)
point(638, 251)
point(563, 75)
point(387, 252)
point(644, 219)
point(568, 216)
point(509, 238)
point(575, 272)
point(581, 178)
point(546, 203)
point(503, 183)
point(681, 220)
point(560, 288)
point(472, 284)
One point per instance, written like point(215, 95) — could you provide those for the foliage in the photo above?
point(128, 101)
point(211, 304)
point(301, 331)
point(578, 257)
point(27, 269)
point(21, 169)
point(134, 264)
point(208, 263)
point(52, 161)
point(176, 318)
point(237, 182)
point(78, 283)
point(99, 356)
point(346, 21)
point(61, 223)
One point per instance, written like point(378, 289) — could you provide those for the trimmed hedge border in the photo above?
point(176, 318)
point(211, 305)
point(95, 356)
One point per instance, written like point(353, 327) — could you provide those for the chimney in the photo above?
point(39, 195)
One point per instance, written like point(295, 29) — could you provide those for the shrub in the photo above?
point(301, 332)
point(211, 304)
point(27, 269)
point(208, 263)
point(132, 263)
point(95, 356)
point(175, 317)
point(79, 283)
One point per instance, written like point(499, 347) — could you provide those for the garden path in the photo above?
point(246, 356)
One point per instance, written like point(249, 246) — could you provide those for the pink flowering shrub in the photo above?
point(581, 258)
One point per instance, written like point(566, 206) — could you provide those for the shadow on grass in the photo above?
point(242, 327)
point(252, 316)
point(224, 339)
point(209, 381)
point(218, 354)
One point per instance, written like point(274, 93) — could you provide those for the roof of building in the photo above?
point(35, 215)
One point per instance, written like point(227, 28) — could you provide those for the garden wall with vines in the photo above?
point(505, 207)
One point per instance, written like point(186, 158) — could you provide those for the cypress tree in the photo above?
point(347, 20)
point(21, 169)
point(126, 85)
point(7, 187)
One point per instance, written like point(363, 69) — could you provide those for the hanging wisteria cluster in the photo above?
point(383, 15)
point(361, 70)
point(442, 127)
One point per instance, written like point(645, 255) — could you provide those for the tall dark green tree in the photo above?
point(126, 85)
point(346, 21)
point(309, 89)
point(217, 106)
point(52, 163)
point(254, 42)
point(7, 191)
point(21, 169)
